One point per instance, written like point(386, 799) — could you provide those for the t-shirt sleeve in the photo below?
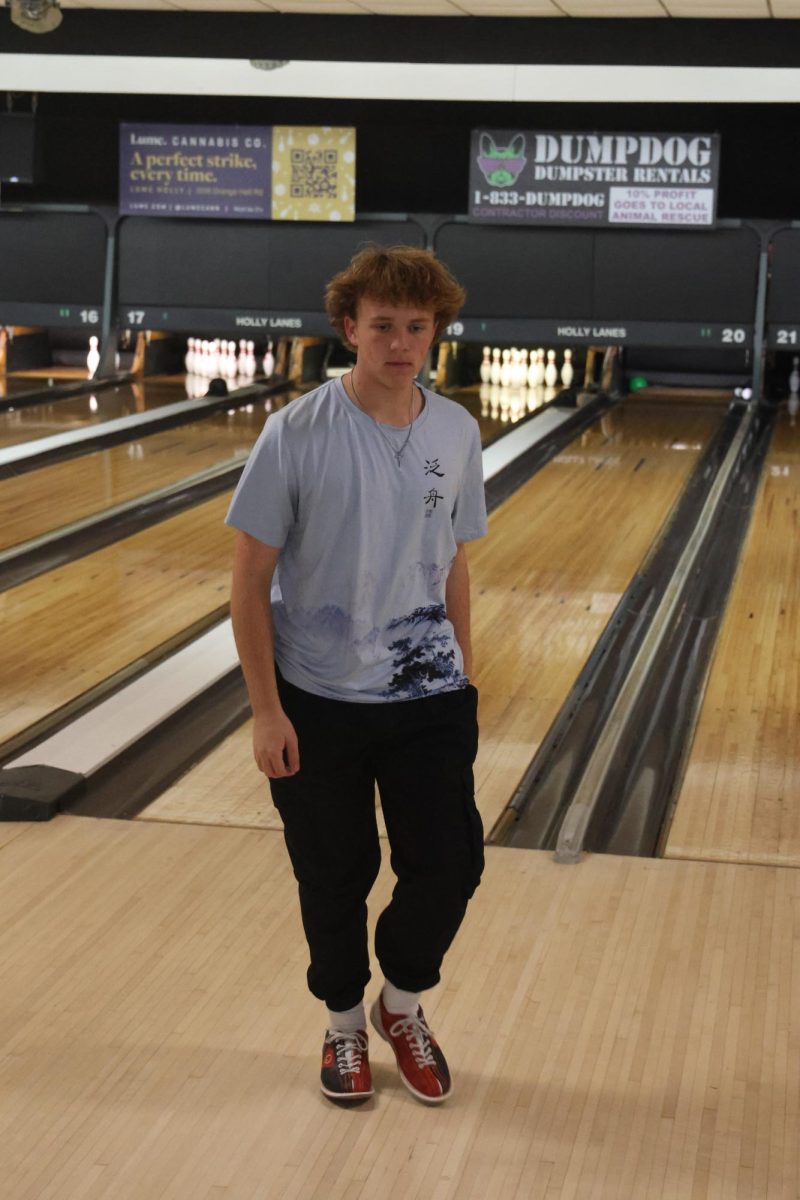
point(469, 514)
point(265, 501)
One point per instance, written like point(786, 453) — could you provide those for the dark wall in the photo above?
point(333, 38)
point(414, 156)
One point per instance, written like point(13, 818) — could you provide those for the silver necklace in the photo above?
point(397, 453)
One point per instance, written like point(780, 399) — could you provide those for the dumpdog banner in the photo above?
point(285, 173)
point(525, 177)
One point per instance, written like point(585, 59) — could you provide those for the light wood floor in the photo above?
point(739, 800)
point(622, 1030)
point(544, 583)
point(110, 477)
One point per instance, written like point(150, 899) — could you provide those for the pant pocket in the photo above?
point(474, 832)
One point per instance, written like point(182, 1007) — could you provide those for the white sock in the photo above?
point(400, 1002)
point(348, 1021)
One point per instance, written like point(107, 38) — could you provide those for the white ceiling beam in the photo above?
point(398, 81)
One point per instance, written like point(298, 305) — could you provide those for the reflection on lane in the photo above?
point(78, 412)
point(17, 385)
point(495, 408)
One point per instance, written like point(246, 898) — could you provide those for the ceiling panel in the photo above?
point(411, 8)
point(248, 6)
point(719, 8)
point(511, 8)
point(613, 8)
point(681, 9)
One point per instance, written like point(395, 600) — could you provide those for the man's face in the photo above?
point(391, 342)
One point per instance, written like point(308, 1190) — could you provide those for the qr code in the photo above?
point(314, 173)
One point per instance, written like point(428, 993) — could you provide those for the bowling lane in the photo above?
point(52, 497)
point(559, 554)
point(738, 801)
point(16, 385)
point(44, 500)
point(495, 407)
point(64, 632)
point(81, 412)
point(68, 630)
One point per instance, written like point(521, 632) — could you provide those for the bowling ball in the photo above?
point(217, 387)
point(637, 382)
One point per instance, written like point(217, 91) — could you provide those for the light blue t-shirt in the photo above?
point(358, 596)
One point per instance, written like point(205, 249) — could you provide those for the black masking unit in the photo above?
point(20, 158)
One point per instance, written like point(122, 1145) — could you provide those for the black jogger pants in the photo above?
point(420, 754)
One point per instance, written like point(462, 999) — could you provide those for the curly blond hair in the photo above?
point(400, 275)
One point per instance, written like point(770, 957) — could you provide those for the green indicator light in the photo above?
point(63, 312)
point(705, 333)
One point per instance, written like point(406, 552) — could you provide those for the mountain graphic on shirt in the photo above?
point(421, 667)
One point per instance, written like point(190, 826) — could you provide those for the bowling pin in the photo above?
point(486, 365)
point(551, 370)
point(93, 357)
point(505, 369)
point(496, 371)
point(794, 378)
point(187, 362)
point(269, 361)
point(540, 367)
point(532, 370)
point(251, 360)
point(567, 370)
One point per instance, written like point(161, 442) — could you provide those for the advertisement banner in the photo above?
point(304, 173)
point(637, 179)
point(313, 173)
point(195, 171)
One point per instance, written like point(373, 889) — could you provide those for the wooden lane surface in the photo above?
point(53, 371)
point(496, 408)
point(544, 583)
point(621, 1030)
point(75, 412)
point(738, 801)
point(66, 631)
point(54, 496)
point(47, 499)
point(675, 395)
point(15, 385)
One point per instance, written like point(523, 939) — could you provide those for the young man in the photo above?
point(350, 608)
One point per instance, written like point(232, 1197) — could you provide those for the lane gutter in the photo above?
point(610, 795)
point(537, 807)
